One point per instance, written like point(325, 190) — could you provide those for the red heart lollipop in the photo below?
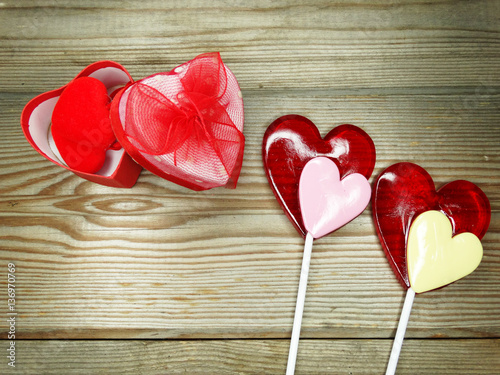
point(292, 140)
point(404, 190)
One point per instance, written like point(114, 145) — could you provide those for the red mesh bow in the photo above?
point(185, 116)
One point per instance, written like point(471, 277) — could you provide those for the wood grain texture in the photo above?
point(215, 273)
point(255, 357)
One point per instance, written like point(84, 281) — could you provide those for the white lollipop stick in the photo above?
point(299, 307)
point(326, 204)
point(400, 333)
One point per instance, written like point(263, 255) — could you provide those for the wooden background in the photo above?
point(159, 279)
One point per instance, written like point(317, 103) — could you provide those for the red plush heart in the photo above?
point(81, 127)
point(292, 140)
point(119, 169)
point(404, 191)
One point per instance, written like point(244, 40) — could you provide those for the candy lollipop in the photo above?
point(431, 238)
point(318, 185)
point(292, 140)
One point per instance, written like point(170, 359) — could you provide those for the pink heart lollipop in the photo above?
point(326, 203)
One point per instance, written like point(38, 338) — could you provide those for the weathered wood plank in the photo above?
point(255, 357)
point(280, 45)
point(216, 273)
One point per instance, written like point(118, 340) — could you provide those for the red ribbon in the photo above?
point(197, 116)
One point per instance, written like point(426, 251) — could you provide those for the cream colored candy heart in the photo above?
point(434, 257)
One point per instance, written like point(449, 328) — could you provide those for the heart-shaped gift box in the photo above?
point(184, 125)
point(119, 170)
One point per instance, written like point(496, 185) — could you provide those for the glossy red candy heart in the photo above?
point(292, 140)
point(405, 190)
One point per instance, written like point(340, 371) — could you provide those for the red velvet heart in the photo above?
point(404, 191)
point(292, 140)
point(81, 127)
